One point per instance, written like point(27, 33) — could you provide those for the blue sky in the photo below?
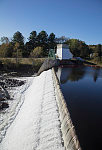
point(81, 19)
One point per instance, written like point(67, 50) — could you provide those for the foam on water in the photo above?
point(7, 116)
point(37, 125)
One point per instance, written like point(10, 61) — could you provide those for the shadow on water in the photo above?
point(82, 89)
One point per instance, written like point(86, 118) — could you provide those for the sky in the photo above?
point(80, 19)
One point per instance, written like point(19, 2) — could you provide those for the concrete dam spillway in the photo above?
point(43, 121)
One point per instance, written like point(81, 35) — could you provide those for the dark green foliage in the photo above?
point(51, 41)
point(33, 36)
point(99, 50)
point(32, 40)
point(78, 48)
point(73, 45)
point(42, 40)
point(18, 37)
point(17, 48)
point(27, 49)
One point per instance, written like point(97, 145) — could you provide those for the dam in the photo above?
point(42, 122)
point(56, 113)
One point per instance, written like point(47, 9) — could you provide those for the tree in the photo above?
point(18, 38)
point(78, 48)
point(51, 38)
point(33, 36)
point(99, 50)
point(6, 50)
point(27, 49)
point(37, 52)
point(42, 40)
point(73, 46)
point(5, 40)
point(61, 40)
point(84, 50)
point(18, 51)
point(33, 39)
point(51, 41)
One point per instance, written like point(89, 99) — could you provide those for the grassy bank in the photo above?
point(97, 61)
point(23, 66)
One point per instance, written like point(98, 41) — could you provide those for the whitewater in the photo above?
point(37, 125)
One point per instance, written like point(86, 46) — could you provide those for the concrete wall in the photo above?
point(59, 51)
point(66, 54)
point(48, 63)
point(68, 132)
point(63, 52)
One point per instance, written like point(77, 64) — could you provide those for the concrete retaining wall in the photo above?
point(68, 132)
point(48, 64)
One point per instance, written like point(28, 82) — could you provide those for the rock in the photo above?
point(8, 82)
point(4, 93)
point(2, 98)
point(4, 105)
point(48, 63)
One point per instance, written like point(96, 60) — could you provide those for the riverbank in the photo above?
point(96, 61)
point(10, 68)
point(21, 66)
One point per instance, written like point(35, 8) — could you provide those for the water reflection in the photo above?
point(77, 73)
point(96, 74)
point(82, 89)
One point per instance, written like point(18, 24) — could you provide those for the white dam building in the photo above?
point(63, 52)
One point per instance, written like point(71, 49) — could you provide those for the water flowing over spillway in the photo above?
point(37, 125)
point(16, 100)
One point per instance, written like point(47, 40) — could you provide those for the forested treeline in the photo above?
point(38, 45)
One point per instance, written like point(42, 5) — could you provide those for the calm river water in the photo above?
point(82, 89)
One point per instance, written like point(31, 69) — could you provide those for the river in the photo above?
point(82, 89)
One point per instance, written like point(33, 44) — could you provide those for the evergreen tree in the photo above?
point(18, 42)
point(42, 39)
point(18, 37)
point(33, 40)
point(51, 41)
